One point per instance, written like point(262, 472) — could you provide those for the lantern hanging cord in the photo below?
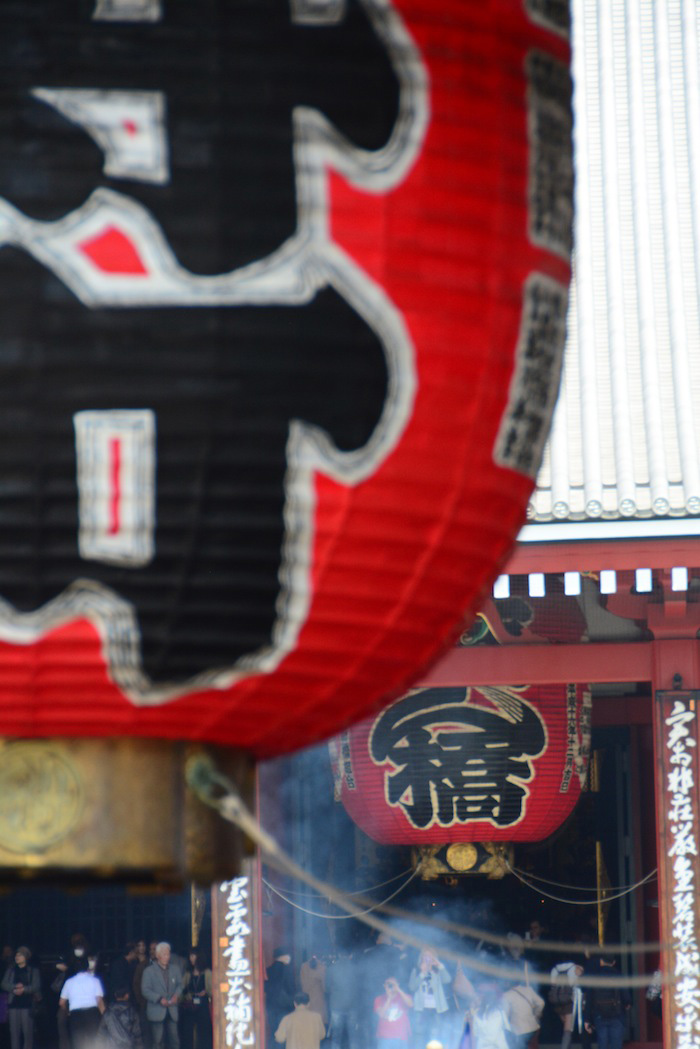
point(341, 917)
point(220, 793)
point(355, 892)
point(604, 897)
point(621, 889)
point(550, 946)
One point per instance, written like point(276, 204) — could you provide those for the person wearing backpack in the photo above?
point(606, 1007)
point(566, 998)
point(524, 1008)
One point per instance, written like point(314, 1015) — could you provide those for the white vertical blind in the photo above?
point(626, 434)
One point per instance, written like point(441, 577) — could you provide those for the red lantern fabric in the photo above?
point(466, 764)
point(282, 304)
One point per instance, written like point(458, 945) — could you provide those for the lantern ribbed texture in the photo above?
point(159, 359)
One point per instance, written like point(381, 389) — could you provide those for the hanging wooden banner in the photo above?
point(237, 1001)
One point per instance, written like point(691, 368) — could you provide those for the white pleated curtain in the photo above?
point(626, 434)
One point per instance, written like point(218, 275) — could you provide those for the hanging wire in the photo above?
point(355, 892)
point(582, 888)
point(550, 946)
point(342, 917)
point(220, 793)
point(580, 903)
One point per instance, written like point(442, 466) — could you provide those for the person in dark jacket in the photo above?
point(279, 989)
point(120, 1027)
point(23, 983)
point(606, 1007)
point(122, 969)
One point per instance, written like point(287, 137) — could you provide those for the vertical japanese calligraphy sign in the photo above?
point(677, 783)
point(466, 764)
point(238, 1014)
point(283, 295)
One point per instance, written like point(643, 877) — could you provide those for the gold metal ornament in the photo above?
point(114, 809)
point(462, 857)
point(491, 859)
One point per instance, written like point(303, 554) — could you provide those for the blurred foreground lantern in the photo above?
point(282, 304)
point(466, 765)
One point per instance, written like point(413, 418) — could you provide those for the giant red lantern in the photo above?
point(282, 303)
point(466, 764)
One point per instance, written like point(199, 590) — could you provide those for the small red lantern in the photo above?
point(282, 306)
point(466, 764)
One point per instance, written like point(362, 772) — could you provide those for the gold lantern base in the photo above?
point(117, 810)
point(491, 859)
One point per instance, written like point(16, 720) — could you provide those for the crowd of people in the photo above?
point(388, 996)
point(147, 997)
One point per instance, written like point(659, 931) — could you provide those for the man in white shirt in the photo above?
point(83, 997)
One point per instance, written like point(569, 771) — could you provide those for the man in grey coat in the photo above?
point(161, 986)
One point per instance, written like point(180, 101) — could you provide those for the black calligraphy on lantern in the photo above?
point(182, 345)
point(453, 760)
point(522, 434)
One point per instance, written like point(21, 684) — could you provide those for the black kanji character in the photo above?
point(233, 75)
point(224, 389)
point(453, 761)
point(227, 385)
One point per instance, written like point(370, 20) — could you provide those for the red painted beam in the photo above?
point(596, 663)
point(543, 664)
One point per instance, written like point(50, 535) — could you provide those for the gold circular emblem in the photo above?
point(461, 857)
point(41, 796)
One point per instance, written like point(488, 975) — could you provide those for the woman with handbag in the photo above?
point(196, 1029)
point(566, 998)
